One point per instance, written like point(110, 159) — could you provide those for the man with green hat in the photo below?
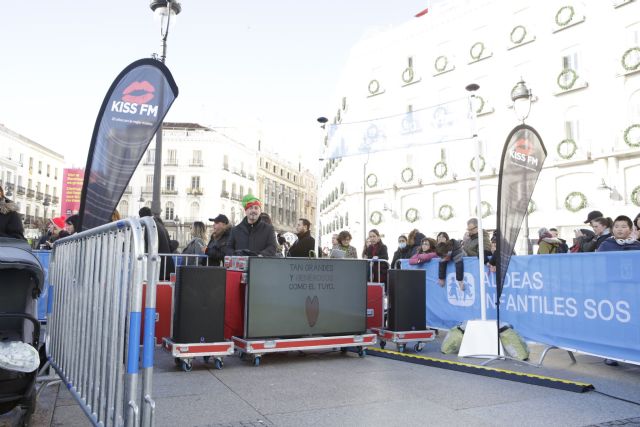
point(252, 235)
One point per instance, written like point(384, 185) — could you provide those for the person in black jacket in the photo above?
point(10, 221)
point(252, 236)
point(403, 252)
point(167, 266)
point(376, 251)
point(305, 242)
point(216, 247)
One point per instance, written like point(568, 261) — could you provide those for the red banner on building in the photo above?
point(72, 180)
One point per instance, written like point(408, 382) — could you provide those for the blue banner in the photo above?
point(588, 302)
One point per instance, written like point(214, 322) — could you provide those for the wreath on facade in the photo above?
point(411, 214)
point(407, 175)
point(571, 151)
point(441, 63)
point(531, 208)
point(633, 54)
point(565, 15)
point(635, 196)
point(445, 212)
point(518, 34)
point(575, 201)
point(374, 86)
point(628, 136)
point(567, 78)
point(476, 50)
point(485, 208)
point(375, 218)
point(480, 104)
point(440, 169)
point(372, 180)
point(472, 163)
point(407, 75)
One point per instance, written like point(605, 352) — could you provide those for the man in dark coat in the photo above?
point(305, 242)
point(10, 221)
point(216, 247)
point(252, 236)
point(167, 266)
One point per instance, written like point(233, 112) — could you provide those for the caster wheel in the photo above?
point(206, 359)
point(257, 360)
point(401, 348)
point(186, 366)
point(218, 364)
point(418, 347)
point(383, 344)
point(362, 352)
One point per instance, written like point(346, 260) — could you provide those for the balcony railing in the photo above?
point(39, 195)
point(171, 162)
point(47, 200)
point(170, 191)
point(148, 190)
point(148, 162)
point(196, 163)
point(252, 177)
point(195, 191)
point(55, 200)
point(31, 193)
point(224, 194)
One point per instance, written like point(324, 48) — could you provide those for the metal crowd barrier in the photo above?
point(94, 319)
point(377, 263)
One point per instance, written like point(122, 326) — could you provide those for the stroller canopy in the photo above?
point(16, 255)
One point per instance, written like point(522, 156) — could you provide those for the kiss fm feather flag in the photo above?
point(522, 159)
point(133, 109)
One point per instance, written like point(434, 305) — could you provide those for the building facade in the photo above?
point(31, 175)
point(586, 107)
point(288, 191)
point(205, 172)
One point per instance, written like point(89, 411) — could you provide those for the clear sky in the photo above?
point(267, 65)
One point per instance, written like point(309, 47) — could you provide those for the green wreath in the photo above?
point(372, 180)
point(407, 175)
point(627, 135)
point(411, 214)
point(407, 75)
point(564, 22)
point(514, 38)
point(478, 48)
point(472, 163)
point(571, 199)
point(571, 77)
point(485, 208)
point(625, 56)
point(442, 166)
point(445, 212)
point(374, 86)
point(573, 147)
point(481, 105)
point(441, 63)
point(375, 218)
point(531, 208)
point(635, 196)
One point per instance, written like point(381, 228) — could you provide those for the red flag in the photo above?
point(422, 13)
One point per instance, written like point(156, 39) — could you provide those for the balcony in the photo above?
point(148, 162)
point(31, 193)
point(171, 162)
point(55, 200)
point(147, 190)
point(224, 194)
point(196, 163)
point(195, 191)
point(20, 190)
point(169, 191)
point(128, 190)
point(225, 167)
point(252, 177)
point(47, 200)
point(39, 195)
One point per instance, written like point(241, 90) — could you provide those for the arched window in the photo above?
point(169, 211)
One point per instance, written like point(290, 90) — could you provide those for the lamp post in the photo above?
point(164, 10)
point(323, 122)
point(522, 98)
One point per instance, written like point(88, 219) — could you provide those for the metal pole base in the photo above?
point(480, 340)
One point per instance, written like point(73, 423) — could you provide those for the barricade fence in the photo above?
point(94, 319)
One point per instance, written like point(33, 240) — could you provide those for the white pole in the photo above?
point(483, 297)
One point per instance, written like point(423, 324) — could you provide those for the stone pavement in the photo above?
point(330, 388)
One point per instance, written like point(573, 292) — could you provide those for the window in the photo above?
point(56, 174)
point(225, 162)
point(173, 157)
point(224, 185)
point(169, 211)
point(30, 164)
point(37, 214)
point(572, 124)
point(233, 190)
point(151, 156)
point(170, 182)
point(149, 181)
point(196, 160)
point(195, 182)
point(124, 209)
point(29, 184)
point(634, 109)
point(195, 210)
point(242, 191)
point(46, 189)
point(48, 171)
point(633, 35)
point(40, 167)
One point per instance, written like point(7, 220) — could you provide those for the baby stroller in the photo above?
point(21, 281)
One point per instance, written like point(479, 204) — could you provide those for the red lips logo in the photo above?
point(138, 93)
point(312, 308)
point(524, 146)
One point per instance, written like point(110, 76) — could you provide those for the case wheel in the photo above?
point(217, 363)
point(418, 347)
point(382, 344)
point(177, 361)
point(206, 359)
point(343, 349)
point(401, 347)
point(186, 366)
point(256, 361)
point(361, 351)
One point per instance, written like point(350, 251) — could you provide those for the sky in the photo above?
point(268, 67)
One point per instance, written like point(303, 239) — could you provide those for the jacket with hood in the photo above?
point(613, 244)
point(417, 243)
point(10, 221)
point(401, 254)
point(216, 248)
point(302, 246)
point(258, 238)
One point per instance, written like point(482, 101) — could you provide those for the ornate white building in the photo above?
point(31, 176)
point(205, 172)
point(580, 59)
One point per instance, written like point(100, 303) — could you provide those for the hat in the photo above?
point(250, 200)
point(220, 218)
point(58, 221)
point(593, 215)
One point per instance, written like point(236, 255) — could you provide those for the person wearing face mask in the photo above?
point(403, 251)
point(253, 236)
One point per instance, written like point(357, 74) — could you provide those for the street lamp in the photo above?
point(165, 10)
point(323, 121)
point(522, 99)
